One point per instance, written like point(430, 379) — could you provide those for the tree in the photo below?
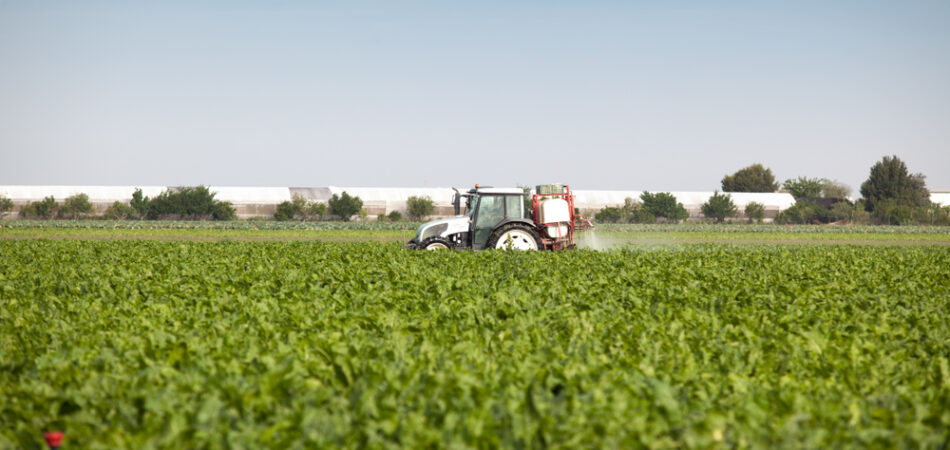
point(5, 205)
point(888, 211)
point(292, 209)
point(719, 207)
point(139, 203)
point(45, 209)
point(316, 210)
point(189, 203)
point(755, 211)
point(801, 213)
point(285, 211)
point(803, 187)
point(345, 206)
point(223, 211)
point(663, 204)
point(634, 212)
point(76, 206)
point(395, 216)
point(417, 208)
point(754, 178)
point(835, 189)
point(890, 180)
point(119, 211)
point(609, 214)
point(299, 208)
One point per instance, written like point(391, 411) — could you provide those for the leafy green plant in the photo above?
point(315, 345)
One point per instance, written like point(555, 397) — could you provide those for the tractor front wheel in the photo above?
point(515, 236)
point(435, 243)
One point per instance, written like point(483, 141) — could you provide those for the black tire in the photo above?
point(500, 236)
point(435, 243)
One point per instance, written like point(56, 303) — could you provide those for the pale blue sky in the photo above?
point(601, 95)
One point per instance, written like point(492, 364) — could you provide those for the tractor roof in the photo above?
point(494, 190)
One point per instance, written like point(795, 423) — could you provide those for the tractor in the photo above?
point(495, 218)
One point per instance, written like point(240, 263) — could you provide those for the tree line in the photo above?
point(185, 203)
point(346, 206)
point(198, 203)
point(891, 195)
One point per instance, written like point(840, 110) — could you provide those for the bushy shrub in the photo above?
point(223, 211)
point(119, 211)
point(316, 210)
point(640, 215)
point(5, 205)
point(299, 208)
point(719, 207)
point(801, 213)
point(842, 211)
point(891, 212)
point(189, 203)
point(663, 204)
point(632, 211)
point(345, 206)
point(417, 208)
point(755, 212)
point(395, 216)
point(75, 207)
point(44, 209)
point(285, 211)
point(609, 214)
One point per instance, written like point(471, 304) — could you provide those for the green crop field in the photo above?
point(608, 236)
point(143, 343)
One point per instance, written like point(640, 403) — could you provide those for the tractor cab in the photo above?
point(489, 208)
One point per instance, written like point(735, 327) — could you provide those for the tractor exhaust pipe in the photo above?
point(457, 202)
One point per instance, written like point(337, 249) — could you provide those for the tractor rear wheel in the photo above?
point(515, 236)
point(435, 243)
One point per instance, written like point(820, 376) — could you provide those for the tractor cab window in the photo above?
point(514, 206)
point(491, 209)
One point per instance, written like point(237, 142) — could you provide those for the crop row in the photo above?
point(383, 226)
point(294, 345)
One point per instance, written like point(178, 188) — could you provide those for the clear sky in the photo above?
point(665, 95)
